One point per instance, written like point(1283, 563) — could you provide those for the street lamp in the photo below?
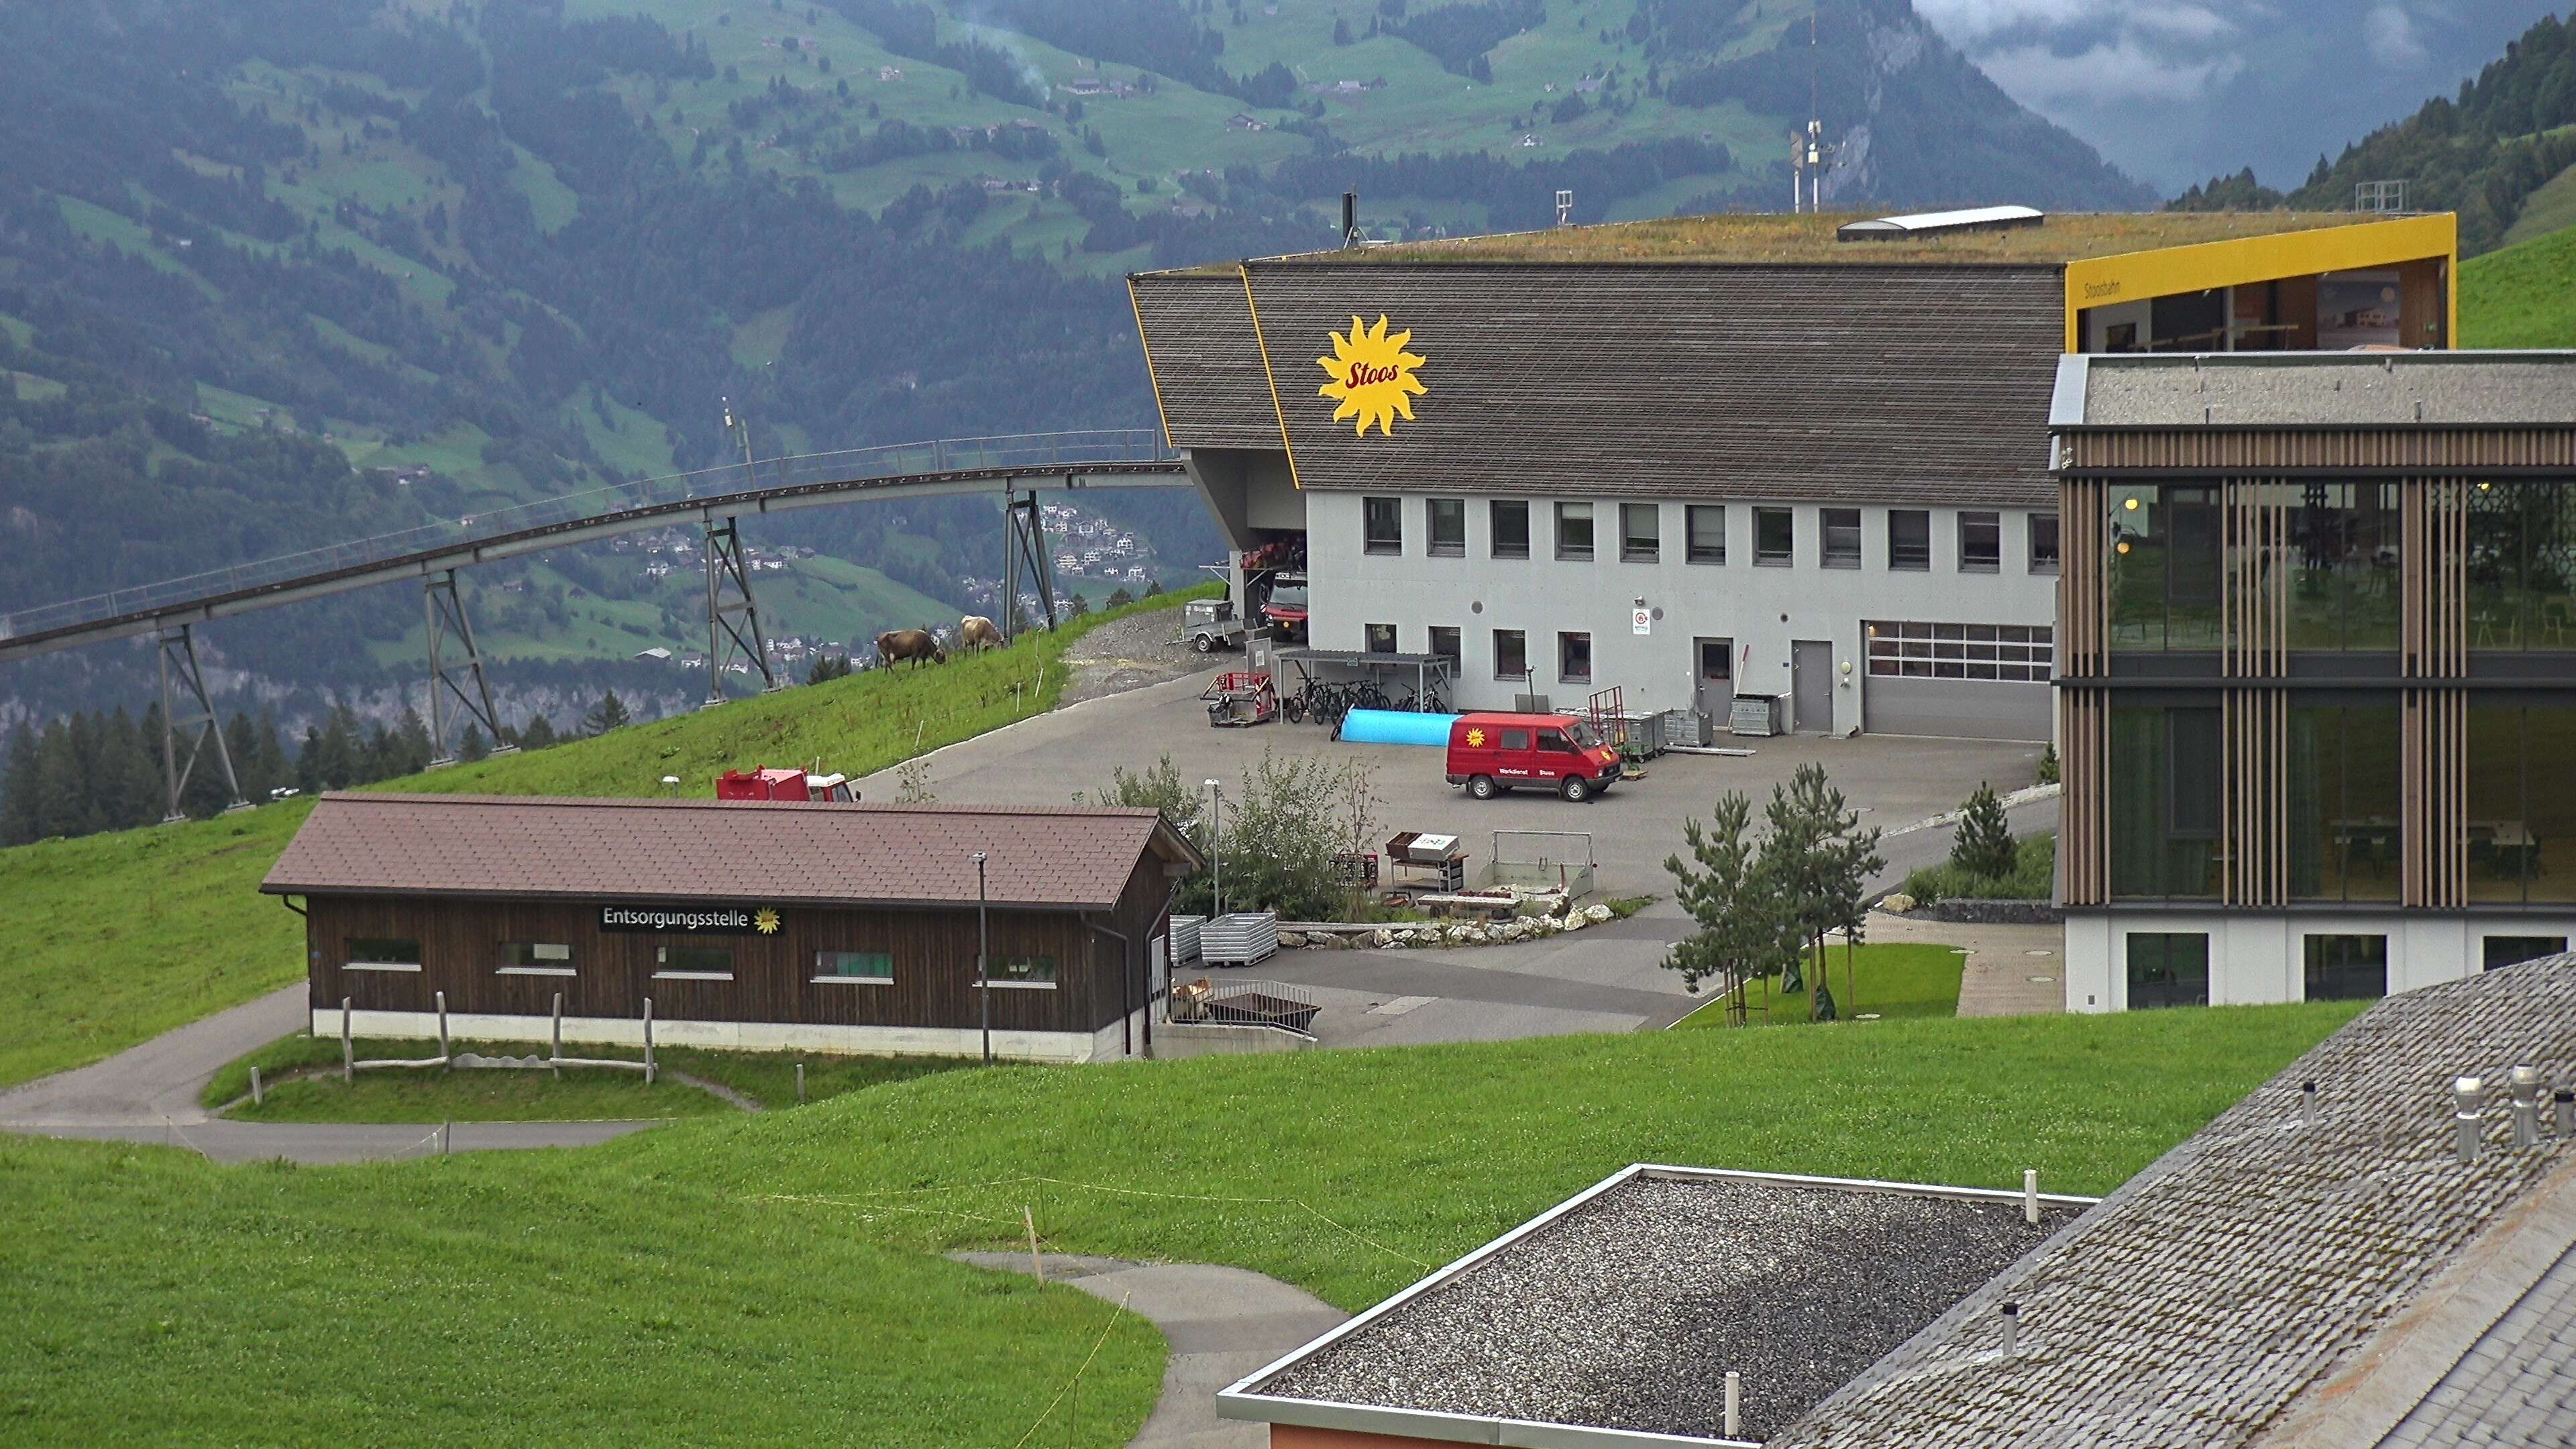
point(983, 954)
point(1216, 848)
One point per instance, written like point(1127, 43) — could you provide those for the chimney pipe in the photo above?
point(2307, 1104)
point(2524, 1079)
point(2564, 1105)
point(2464, 1117)
point(1350, 218)
point(1734, 1396)
point(2012, 1328)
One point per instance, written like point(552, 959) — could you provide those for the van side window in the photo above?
point(1516, 739)
point(1555, 742)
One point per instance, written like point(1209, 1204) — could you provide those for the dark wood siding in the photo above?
point(933, 950)
point(1207, 370)
point(1868, 383)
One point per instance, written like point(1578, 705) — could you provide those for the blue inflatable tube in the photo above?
point(1396, 727)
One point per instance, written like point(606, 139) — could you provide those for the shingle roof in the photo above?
point(858, 854)
point(2317, 390)
point(2265, 1271)
point(1624, 1310)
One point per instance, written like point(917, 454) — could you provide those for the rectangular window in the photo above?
point(2347, 968)
point(1707, 524)
point(1981, 543)
point(535, 958)
point(1841, 538)
point(1444, 645)
point(1381, 638)
point(1511, 527)
point(693, 963)
point(1574, 530)
point(1911, 649)
point(2522, 802)
point(1448, 527)
point(2162, 573)
point(1518, 739)
point(2514, 950)
point(1037, 972)
point(382, 953)
point(2164, 809)
point(1574, 658)
point(2043, 543)
point(1382, 524)
point(2521, 562)
point(1641, 531)
point(1511, 654)
point(1909, 539)
point(2343, 589)
point(2168, 968)
point(862, 968)
point(1775, 537)
point(2345, 802)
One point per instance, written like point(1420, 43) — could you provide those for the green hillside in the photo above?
point(2522, 296)
point(782, 1266)
point(120, 936)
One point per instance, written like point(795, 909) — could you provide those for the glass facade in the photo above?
point(2522, 563)
point(2522, 801)
point(2344, 795)
point(2164, 802)
point(2163, 567)
point(2344, 589)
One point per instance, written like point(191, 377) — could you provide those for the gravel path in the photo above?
point(1131, 653)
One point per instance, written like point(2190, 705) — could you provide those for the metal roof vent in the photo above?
point(1935, 223)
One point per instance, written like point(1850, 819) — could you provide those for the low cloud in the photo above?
point(2389, 32)
point(2119, 71)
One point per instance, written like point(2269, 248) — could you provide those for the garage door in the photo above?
point(1959, 681)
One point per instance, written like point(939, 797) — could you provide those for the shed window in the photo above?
point(1775, 536)
point(1511, 528)
point(535, 958)
point(1449, 527)
point(866, 968)
point(703, 963)
point(1641, 531)
point(1030, 971)
point(1707, 524)
point(1383, 522)
point(1574, 530)
point(383, 953)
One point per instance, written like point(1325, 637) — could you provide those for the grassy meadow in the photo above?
point(122, 936)
point(1893, 979)
point(2521, 296)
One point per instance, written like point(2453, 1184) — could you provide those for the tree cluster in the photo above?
point(1765, 904)
point(1278, 838)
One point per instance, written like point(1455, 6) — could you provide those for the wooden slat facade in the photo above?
point(1207, 373)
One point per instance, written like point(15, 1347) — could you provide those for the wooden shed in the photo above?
point(748, 924)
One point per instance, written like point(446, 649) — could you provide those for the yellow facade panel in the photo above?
point(2239, 261)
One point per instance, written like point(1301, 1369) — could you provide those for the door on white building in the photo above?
point(1713, 677)
point(1811, 685)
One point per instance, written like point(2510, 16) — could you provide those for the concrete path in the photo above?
point(148, 1093)
point(1221, 1323)
point(2010, 970)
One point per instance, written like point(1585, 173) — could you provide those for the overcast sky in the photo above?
point(2175, 91)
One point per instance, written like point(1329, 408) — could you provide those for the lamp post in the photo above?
point(983, 954)
point(1216, 849)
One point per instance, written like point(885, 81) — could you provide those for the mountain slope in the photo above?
point(2521, 296)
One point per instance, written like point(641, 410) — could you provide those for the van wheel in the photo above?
point(1482, 787)
point(1576, 789)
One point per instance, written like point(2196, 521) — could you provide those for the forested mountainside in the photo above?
point(281, 273)
point(2502, 153)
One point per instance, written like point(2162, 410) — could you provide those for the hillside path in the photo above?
point(148, 1093)
point(1221, 1324)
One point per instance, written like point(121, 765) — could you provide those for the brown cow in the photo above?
point(975, 633)
point(896, 645)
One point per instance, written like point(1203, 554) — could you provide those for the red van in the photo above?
point(1491, 753)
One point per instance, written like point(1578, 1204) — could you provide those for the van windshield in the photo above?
point(1584, 738)
point(1289, 596)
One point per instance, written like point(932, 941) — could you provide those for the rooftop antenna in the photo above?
point(1351, 236)
point(1810, 154)
point(1565, 208)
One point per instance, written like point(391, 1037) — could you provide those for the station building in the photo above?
point(2319, 685)
point(757, 925)
point(1795, 458)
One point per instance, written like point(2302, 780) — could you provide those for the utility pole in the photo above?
point(1216, 849)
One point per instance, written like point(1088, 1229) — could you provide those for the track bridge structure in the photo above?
point(1012, 469)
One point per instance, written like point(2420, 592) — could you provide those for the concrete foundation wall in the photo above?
point(1175, 1040)
point(2257, 957)
point(1764, 607)
point(1019, 1046)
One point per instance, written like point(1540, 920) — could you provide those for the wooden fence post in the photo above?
point(1037, 1265)
point(557, 1055)
point(648, 1041)
point(348, 1053)
point(254, 1086)
point(800, 1084)
point(446, 1058)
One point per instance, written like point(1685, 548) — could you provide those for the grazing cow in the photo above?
point(917, 645)
point(976, 633)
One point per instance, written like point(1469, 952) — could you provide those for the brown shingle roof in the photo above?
point(485, 845)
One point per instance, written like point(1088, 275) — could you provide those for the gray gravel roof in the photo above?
point(1627, 1312)
point(2317, 389)
point(2273, 1282)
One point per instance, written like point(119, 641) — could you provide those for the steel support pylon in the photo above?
point(729, 599)
point(179, 658)
point(1024, 554)
point(446, 610)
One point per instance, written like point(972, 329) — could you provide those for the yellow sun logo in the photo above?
point(1475, 739)
point(1372, 376)
point(765, 922)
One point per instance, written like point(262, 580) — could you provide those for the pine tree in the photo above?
point(18, 789)
point(1739, 930)
point(538, 734)
point(1984, 847)
point(610, 713)
point(472, 746)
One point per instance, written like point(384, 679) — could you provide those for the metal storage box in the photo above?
point(1685, 727)
point(1240, 938)
point(1755, 714)
point(1185, 938)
